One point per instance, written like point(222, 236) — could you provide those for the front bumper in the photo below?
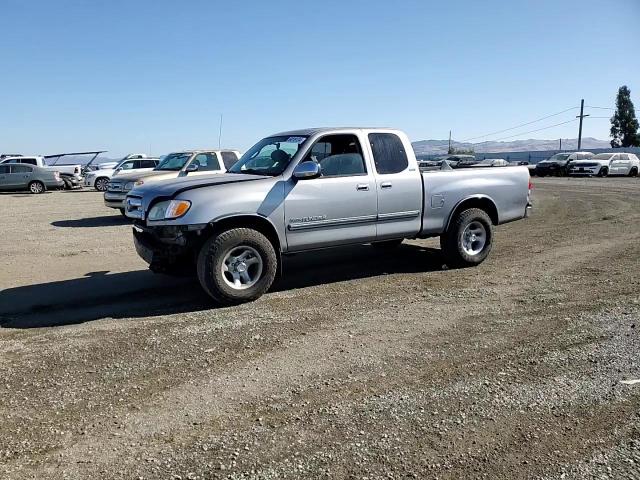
point(584, 171)
point(115, 200)
point(549, 170)
point(164, 248)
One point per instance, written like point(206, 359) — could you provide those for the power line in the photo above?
point(536, 130)
point(521, 125)
point(601, 108)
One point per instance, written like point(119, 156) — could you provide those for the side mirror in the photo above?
point(193, 167)
point(307, 171)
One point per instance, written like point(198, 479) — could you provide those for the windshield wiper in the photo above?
point(252, 171)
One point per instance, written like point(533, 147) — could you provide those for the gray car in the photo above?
point(18, 176)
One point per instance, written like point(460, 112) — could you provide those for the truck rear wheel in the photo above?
point(469, 238)
point(237, 266)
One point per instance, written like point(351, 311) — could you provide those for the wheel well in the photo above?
point(483, 203)
point(260, 224)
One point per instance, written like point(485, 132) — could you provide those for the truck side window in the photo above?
point(388, 153)
point(147, 164)
point(207, 162)
point(338, 156)
point(228, 158)
point(30, 161)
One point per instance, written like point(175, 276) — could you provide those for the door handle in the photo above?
point(362, 187)
point(385, 185)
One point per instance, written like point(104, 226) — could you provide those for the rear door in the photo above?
point(19, 175)
point(399, 187)
point(340, 206)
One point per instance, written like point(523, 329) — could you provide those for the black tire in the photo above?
point(122, 212)
point(633, 172)
point(101, 184)
point(452, 242)
point(37, 187)
point(213, 253)
point(67, 184)
point(604, 171)
point(388, 244)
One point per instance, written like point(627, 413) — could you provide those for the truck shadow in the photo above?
point(137, 294)
point(103, 221)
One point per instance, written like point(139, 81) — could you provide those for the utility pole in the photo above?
point(449, 151)
point(560, 144)
point(581, 117)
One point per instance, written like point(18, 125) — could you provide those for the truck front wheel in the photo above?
point(237, 266)
point(469, 238)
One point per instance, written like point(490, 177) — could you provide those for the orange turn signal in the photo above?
point(177, 208)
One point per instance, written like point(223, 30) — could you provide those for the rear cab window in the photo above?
point(389, 154)
point(229, 158)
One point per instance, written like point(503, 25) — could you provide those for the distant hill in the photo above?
point(440, 147)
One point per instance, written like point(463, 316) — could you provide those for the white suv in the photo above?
point(599, 165)
point(99, 179)
point(626, 164)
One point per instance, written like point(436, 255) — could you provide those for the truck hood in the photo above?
point(149, 175)
point(170, 188)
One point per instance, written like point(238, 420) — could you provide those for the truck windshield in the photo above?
point(174, 161)
point(270, 156)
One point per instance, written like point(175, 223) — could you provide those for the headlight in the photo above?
point(128, 186)
point(169, 210)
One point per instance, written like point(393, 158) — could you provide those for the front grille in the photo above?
point(115, 187)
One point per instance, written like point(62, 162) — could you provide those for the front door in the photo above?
point(4, 177)
point(399, 187)
point(208, 163)
point(340, 206)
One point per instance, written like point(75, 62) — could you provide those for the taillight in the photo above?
point(530, 185)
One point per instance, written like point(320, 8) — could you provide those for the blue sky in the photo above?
point(132, 75)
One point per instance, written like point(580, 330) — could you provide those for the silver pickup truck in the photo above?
point(318, 188)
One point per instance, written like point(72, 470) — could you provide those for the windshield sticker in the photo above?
point(295, 139)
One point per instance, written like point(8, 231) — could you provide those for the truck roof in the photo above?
point(313, 131)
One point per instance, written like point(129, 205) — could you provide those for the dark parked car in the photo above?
point(17, 176)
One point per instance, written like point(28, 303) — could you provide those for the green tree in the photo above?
point(624, 125)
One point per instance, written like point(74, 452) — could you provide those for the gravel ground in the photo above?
point(359, 364)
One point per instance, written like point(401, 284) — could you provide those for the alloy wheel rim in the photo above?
point(474, 238)
point(101, 185)
point(36, 187)
point(242, 267)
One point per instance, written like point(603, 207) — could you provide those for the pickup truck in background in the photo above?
point(318, 188)
point(69, 174)
point(174, 165)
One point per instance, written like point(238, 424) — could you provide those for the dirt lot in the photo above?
point(360, 364)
